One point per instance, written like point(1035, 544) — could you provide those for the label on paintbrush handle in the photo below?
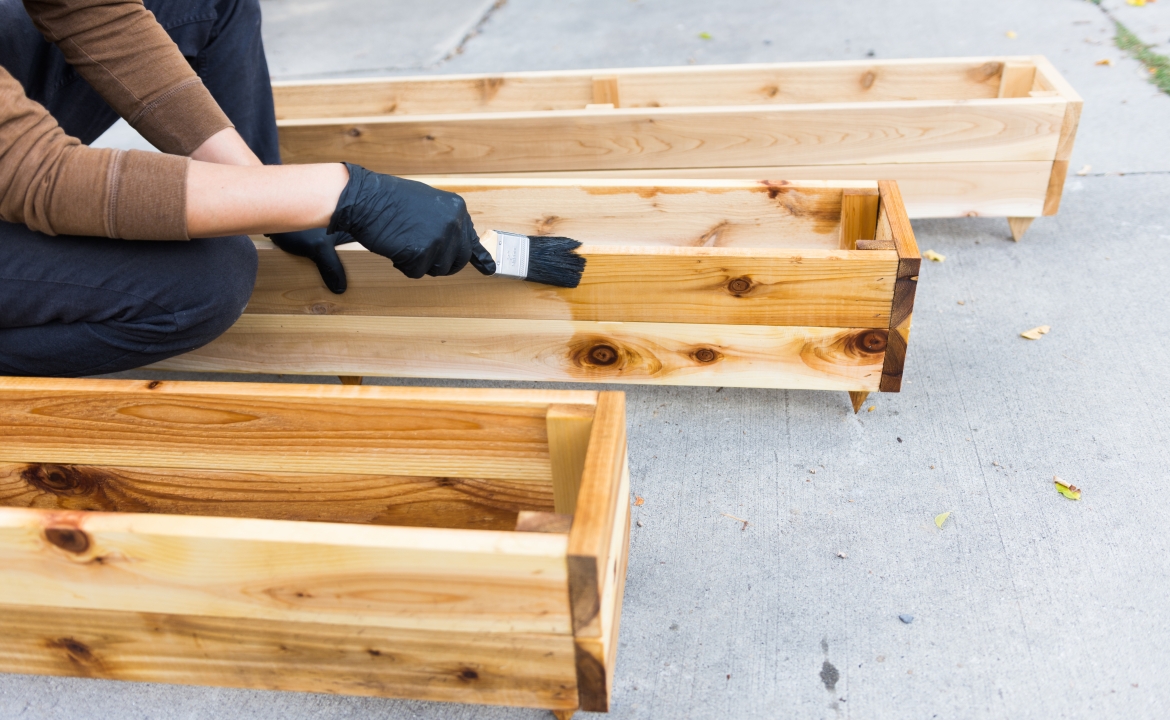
point(511, 255)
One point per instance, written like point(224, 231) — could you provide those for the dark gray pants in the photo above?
point(73, 306)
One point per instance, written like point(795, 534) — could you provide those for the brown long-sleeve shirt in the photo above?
point(54, 184)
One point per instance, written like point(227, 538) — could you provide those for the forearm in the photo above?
point(233, 200)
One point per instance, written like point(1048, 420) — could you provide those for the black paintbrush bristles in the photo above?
point(554, 261)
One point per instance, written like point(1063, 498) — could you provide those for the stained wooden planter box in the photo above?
point(962, 136)
point(723, 283)
point(396, 542)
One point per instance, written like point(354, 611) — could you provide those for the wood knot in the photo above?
point(63, 480)
point(603, 355)
point(468, 675)
point(76, 648)
point(321, 308)
point(354, 132)
point(871, 341)
point(153, 384)
point(867, 79)
point(739, 285)
point(69, 539)
point(704, 355)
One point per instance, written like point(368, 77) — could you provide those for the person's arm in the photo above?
point(250, 200)
point(55, 185)
point(122, 51)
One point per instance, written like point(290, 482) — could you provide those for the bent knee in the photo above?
point(220, 285)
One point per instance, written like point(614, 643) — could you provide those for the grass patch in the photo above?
point(1157, 65)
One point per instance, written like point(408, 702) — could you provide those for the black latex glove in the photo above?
point(318, 247)
point(424, 231)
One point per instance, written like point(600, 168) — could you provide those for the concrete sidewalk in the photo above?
point(1024, 605)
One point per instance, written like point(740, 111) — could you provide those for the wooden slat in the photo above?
point(605, 91)
point(423, 578)
point(597, 655)
point(1016, 79)
point(893, 224)
point(759, 84)
point(551, 350)
point(550, 522)
point(859, 209)
point(997, 189)
point(372, 499)
point(1048, 78)
point(879, 132)
point(569, 428)
point(268, 428)
point(534, 670)
point(591, 539)
point(821, 288)
point(717, 213)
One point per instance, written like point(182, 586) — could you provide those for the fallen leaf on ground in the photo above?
point(871, 408)
point(704, 36)
point(1072, 492)
point(1136, 3)
point(940, 519)
point(1011, 34)
point(1036, 332)
point(745, 522)
point(1085, 170)
point(932, 255)
point(639, 500)
point(1104, 61)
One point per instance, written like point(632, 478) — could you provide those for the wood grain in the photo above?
point(269, 429)
point(471, 503)
point(821, 288)
point(532, 670)
point(424, 578)
point(951, 189)
point(550, 350)
point(687, 86)
point(635, 138)
point(714, 213)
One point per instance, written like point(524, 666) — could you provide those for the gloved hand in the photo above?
point(424, 231)
point(318, 247)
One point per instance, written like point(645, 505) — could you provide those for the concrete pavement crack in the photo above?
point(471, 34)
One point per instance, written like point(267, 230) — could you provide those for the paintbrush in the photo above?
point(538, 259)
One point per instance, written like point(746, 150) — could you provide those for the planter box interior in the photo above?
point(455, 545)
point(962, 136)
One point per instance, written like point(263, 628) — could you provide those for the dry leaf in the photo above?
point(1011, 34)
point(940, 519)
point(1072, 492)
point(1136, 3)
point(1105, 61)
point(1036, 332)
point(962, 302)
point(639, 500)
point(1085, 170)
point(871, 408)
point(704, 36)
point(932, 255)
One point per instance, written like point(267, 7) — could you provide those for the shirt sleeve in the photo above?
point(122, 51)
point(55, 185)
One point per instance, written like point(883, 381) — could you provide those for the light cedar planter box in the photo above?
point(719, 283)
point(395, 542)
point(962, 136)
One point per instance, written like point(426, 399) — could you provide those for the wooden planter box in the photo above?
point(395, 542)
point(722, 283)
point(962, 136)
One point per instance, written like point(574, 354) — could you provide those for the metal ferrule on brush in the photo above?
point(511, 255)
